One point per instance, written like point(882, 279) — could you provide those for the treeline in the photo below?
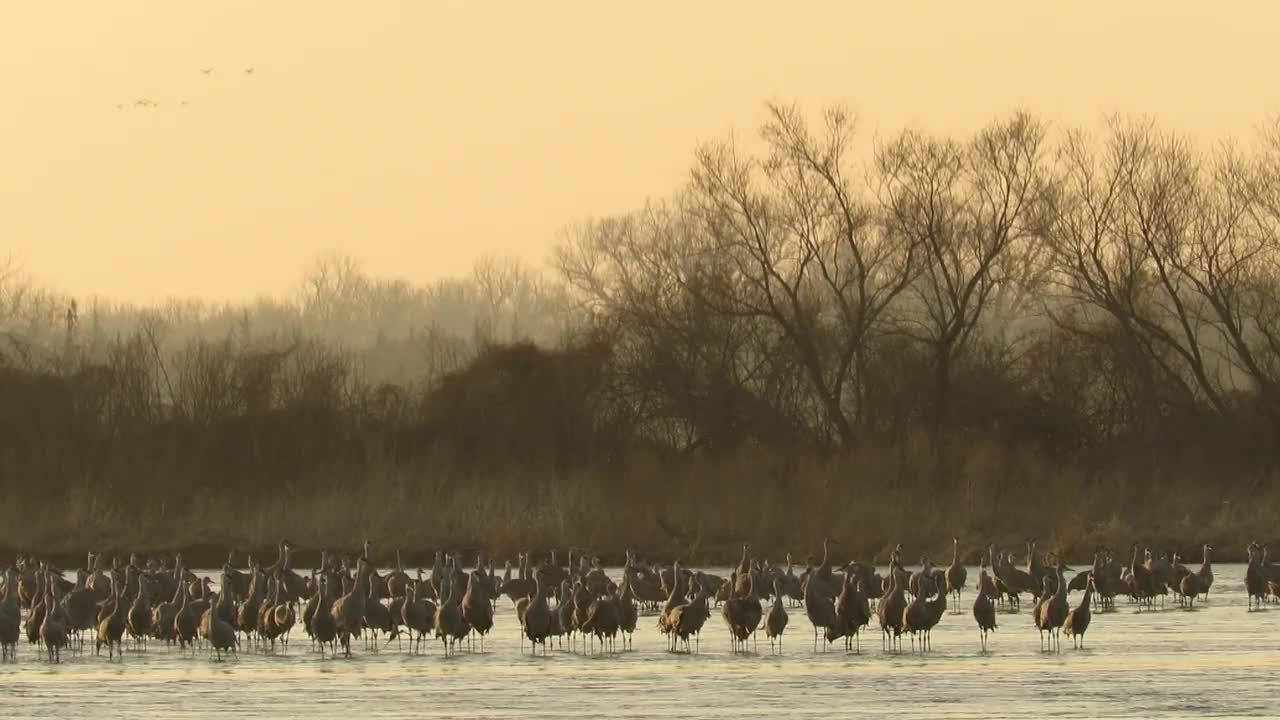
point(1020, 331)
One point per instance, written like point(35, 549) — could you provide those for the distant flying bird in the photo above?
point(119, 107)
point(142, 102)
point(206, 71)
point(184, 103)
point(248, 71)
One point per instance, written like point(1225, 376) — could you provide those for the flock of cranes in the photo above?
point(345, 599)
point(149, 104)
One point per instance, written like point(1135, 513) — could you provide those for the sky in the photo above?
point(418, 136)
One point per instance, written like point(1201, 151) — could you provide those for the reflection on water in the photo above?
point(1215, 660)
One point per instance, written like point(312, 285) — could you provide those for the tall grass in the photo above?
point(698, 509)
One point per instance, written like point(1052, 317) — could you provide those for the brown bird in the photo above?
point(775, 621)
point(1077, 622)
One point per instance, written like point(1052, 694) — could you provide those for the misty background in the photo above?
point(526, 298)
point(419, 137)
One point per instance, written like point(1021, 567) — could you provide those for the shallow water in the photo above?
point(1218, 660)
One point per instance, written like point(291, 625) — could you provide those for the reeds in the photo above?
point(698, 509)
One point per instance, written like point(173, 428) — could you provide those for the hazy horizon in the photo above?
point(419, 137)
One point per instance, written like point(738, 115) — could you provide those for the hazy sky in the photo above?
point(418, 135)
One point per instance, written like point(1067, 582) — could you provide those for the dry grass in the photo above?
point(698, 509)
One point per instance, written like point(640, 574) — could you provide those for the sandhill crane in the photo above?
point(688, 619)
point(323, 625)
point(477, 608)
point(377, 617)
point(538, 616)
point(580, 599)
point(397, 580)
point(674, 600)
point(98, 581)
point(1270, 570)
point(628, 615)
point(1255, 580)
point(986, 583)
point(37, 608)
point(853, 611)
point(1108, 582)
point(201, 595)
point(520, 587)
point(742, 573)
point(348, 610)
point(1185, 584)
point(82, 608)
point(1015, 580)
point(1077, 621)
point(186, 623)
point(218, 632)
point(602, 620)
point(451, 625)
point(10, 616)
point(1037, 616)
point(563, 615)
point(775, 620)
point(418, 613)
point(30, 588)
point(1081, 579)
point(293, 587)
point(268, 631)
point(238, 582)
point(818, 607)
point(828, 587)
point(935, 607)
point(139, 618)
point(790, 584)
point(313, 602)
point(984, 609)
point(889, 610)
point(1053, 612)
point(162, 616)
point(742, 613)
point(554, 574)
point(1178, 571)
point(1162, 572)
point(250, 611)
point(925, 573)
point(915, 616)
point(53, 631)
point(1037, 570)
point(437, 579)
point(1205, 573)
point(646, 588)
point(283, 615)
point(111, 627)
point(1141, 582)
point(956, 572)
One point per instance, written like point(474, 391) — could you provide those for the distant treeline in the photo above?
point(1069, 334)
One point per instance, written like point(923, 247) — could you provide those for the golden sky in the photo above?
point(419, 135)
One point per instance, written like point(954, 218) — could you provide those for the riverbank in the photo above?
point(698, 510)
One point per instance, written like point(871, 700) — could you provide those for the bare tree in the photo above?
point(968, 207)
point(204, 388)
point(804, 250)
point(333, 290)
point(685, 373)
point(1127, 223)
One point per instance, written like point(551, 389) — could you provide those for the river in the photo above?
point(1217, 660)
